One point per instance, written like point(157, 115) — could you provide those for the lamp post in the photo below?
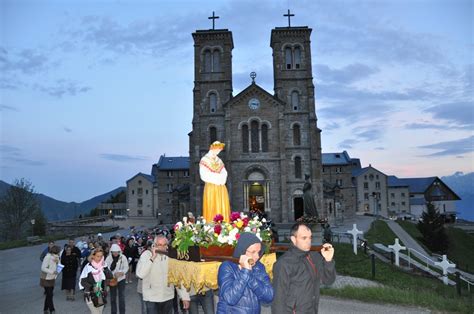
point(32, 227)
point(128, 212)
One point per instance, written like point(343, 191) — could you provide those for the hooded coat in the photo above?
point(297, 276)
point(241, 291)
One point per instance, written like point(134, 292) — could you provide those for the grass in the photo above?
point(399, 287)
point(461, 245)
point(380, 232)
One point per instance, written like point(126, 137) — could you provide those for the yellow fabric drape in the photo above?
point(215, 201)
point(204, 274)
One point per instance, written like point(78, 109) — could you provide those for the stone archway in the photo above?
point(256, 190)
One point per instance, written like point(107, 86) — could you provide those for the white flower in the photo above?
point(179, 224)
point(203, 221)
point(185, 219)
point(247, 229)
point(222, 238)
point(264, 220)
point(232, 234)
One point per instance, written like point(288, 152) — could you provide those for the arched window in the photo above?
point(296, 135)
point(264, 138)
point(245, 138)
point(295, 100)
point(254, 136)
point(288, 58)
point(298, 167)
point(213, 102)
point(212, 134)
point(297, 57)
point(216, 61)
point(207, 61)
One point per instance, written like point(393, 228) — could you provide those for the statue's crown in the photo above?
point(217, 144)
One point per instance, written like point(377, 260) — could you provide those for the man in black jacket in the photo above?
point(298, 273)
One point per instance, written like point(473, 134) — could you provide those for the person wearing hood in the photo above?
point(298, 273)
point(244, 285)
point(119, 267)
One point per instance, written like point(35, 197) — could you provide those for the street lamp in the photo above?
point(32, 227)
point(128, 212)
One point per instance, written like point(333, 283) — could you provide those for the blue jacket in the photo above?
point(241, 290)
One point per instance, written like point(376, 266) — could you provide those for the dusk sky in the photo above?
point(93, 92)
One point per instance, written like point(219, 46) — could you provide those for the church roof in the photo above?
point(330, 159)
point(253, 88)
point(173, 163)
point(358, 172)
point(146, 176)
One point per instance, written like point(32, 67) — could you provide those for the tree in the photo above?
point(17, 207)
point(39, 228)
point(431, 227)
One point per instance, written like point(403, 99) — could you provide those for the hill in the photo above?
point(463, 185)
point(59, 210)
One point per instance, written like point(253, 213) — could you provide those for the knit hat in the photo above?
point(115, 248)
point(246, 239)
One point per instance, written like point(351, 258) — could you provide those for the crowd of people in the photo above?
point(100, 268)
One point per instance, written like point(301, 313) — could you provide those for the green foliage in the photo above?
point(399, 287)
point(461, 248)
point(120, 197)
point(17, 207)
point(432, 229)
point(94, 212)
point(380, 232)
point(39, 228)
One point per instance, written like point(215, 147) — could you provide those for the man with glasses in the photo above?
point(245, 284)
point(298, 273)
point(153, 269)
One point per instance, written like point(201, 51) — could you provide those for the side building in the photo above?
point(339, 189)
point(141, 196)
point(371, 186)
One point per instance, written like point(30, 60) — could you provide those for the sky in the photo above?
point(94, 91)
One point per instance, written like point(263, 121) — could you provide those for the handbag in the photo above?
point(112, 282)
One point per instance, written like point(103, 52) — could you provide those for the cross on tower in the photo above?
point(213, 18)
point(289, 17)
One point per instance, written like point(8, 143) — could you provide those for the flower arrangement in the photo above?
point(219, 232)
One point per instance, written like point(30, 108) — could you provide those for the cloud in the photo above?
point(331, 126)
point(461, 113)
point(369, 135)
point(354, 111)
point(27, 61)
point(14, 154)
point(150, 37)
point(348, 74)
point(8, 108)
point(347, 144)
point(379, 148)
point(67, 130)
point(451, 148)
point(421, 126)
point(122, 158)
point(63, 87)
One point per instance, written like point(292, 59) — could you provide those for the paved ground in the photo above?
point(20, 292)
point(407, 240)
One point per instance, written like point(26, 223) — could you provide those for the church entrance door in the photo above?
point(256, 198)
point(298, 207)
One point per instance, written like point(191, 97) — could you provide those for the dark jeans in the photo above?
point(159, 307)
point(206, 300)
point(48, 300)
point(120, 287)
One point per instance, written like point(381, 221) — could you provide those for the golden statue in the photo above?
point(213, 173)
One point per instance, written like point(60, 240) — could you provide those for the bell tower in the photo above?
point(212, 89)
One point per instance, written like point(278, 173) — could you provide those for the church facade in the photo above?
point(272, 139)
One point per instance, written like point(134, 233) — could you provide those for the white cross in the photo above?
point(396, 248)
point(444, 265)
point(354, 233)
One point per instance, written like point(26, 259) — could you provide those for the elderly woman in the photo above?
point(119, 267)
point(48, 277)
point(92, 281)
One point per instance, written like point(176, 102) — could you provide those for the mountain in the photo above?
point(59, 210)
point(463, 185)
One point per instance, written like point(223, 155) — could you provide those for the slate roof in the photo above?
point(330, 159)
point(173, 163)
point(146, 176)
point(393, 181)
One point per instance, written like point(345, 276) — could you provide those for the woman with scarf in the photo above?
point(119, 267)
point(93, 281)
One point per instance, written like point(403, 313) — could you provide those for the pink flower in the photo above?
point(246, 221)
point(217, 229)
point(237, 236)
point(218, 218)
point(234, 216)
